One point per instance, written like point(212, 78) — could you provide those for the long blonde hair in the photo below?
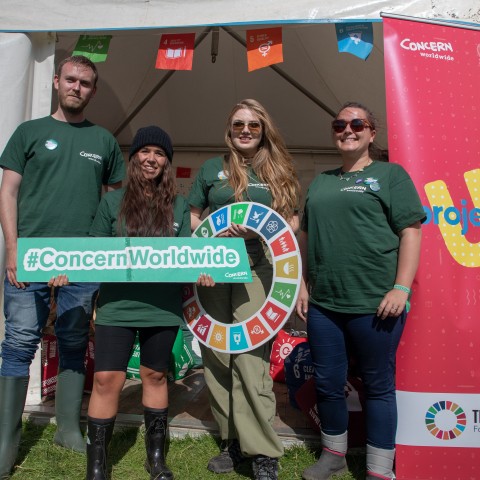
point(272, 163)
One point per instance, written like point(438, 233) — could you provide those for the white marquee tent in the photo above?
point(301, 93)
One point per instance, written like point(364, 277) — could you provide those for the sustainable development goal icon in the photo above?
point(280, 302)
point(445, 420)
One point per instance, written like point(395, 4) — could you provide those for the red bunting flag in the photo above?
point(264, 47)
point(175, 51)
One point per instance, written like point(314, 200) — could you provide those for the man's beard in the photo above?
point(75, 108)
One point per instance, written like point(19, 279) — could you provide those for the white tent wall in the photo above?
point(25, 92)
point(193, 106)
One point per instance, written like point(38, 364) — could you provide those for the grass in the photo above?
point(39, 458)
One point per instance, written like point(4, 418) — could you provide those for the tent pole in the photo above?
point(287, 77)
point(156, 88)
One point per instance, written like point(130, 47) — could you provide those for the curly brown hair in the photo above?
point(147, 206)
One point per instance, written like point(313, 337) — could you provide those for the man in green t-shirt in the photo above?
point(53, 172)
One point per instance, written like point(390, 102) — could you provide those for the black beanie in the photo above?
point(151, 135)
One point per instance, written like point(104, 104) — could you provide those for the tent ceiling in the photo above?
point(193, 105)
point(48, 15)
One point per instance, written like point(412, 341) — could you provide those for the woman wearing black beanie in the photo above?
point(148, 206)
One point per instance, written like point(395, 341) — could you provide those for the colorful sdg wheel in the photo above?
point(280, 302)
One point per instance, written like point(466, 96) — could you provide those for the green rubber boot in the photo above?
point(13, 393)
point(68, 405)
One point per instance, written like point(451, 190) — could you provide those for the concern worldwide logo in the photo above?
point(445, 420)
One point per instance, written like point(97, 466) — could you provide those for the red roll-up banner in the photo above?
point(433, 112)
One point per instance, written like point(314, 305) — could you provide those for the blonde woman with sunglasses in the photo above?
point(257, 168)
point(360, 245)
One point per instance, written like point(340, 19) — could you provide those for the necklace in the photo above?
point(341, 174)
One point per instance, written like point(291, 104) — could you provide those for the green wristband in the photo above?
point(402, 288)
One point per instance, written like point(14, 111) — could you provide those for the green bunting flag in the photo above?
point(94, 47)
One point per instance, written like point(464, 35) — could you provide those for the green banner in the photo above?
point(122, 259)
point(94, 47)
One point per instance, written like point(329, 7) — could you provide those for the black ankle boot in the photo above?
point(155, 439)
point(99, 434)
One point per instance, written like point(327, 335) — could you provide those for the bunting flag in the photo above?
point(94, 47)
point(264, 47)
point(175, 51)
point(432, 79)
point(355, 38)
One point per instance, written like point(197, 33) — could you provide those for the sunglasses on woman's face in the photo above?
point(356, 125)
point(254, 127)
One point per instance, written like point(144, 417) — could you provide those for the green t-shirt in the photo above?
point(63, 167)
point(353, 234)
point(138, 304)
point(211, 188)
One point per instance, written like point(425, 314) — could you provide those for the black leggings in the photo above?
point(113, 347)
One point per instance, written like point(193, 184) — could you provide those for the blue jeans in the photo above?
point(373, 342)
point(26, 314)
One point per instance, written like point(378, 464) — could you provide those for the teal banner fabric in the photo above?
point(123, 259)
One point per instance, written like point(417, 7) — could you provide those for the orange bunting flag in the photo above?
point(264, 47)
point(175, 51)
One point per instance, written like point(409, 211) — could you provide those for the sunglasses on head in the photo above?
point(254, 127)
point(356, 125)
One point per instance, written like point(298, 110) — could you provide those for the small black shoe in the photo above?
point(229, 458)
point(265, 468)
